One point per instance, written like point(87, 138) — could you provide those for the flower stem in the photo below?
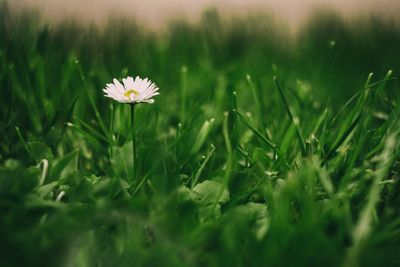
point(133, 140)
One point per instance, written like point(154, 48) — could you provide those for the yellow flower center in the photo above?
point(131, 91)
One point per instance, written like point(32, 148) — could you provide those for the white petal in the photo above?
point(150, 101)
point(128, 83)
point(119, 87)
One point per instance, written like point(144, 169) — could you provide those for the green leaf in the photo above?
point(209, 192)
point(60, 167)
point(44, 190)
point(210, 195)
point(40, 151)
point(184, 194)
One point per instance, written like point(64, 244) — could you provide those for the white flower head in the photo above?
point(132, 90)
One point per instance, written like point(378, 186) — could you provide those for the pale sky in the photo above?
point(154, 13)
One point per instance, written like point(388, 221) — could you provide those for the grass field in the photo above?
point(262, 149)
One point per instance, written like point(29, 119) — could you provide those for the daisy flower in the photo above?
point(132, 90)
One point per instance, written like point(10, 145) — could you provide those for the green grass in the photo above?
point(263, 149)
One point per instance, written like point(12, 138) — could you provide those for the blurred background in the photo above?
point(156, 13)
point(321, 48)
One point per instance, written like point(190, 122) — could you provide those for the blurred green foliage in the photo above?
point(233, 170)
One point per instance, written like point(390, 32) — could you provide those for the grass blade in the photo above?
point(293, 120)
point(265, 139)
